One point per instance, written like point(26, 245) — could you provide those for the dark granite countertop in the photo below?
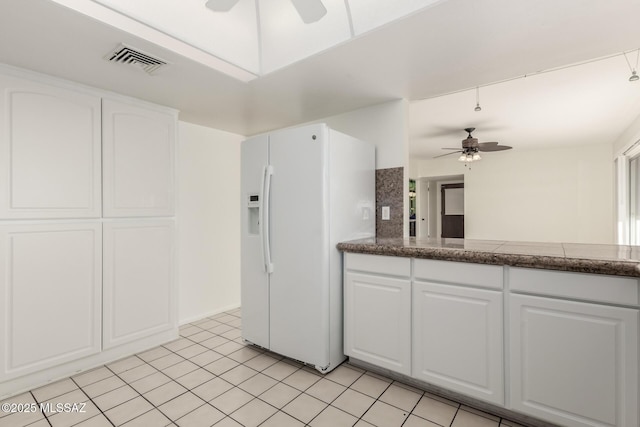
point(617, 260)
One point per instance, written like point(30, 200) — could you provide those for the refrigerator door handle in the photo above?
point(264, 224)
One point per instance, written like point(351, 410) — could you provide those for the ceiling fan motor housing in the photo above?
point(470, 143)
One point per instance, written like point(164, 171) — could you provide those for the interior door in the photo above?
point(254, 279)
point(299, 316)
point(452, 210)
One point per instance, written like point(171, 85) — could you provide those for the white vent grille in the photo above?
point(127, 55)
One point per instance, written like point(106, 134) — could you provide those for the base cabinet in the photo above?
point(378, 321)
point(377, 311)
point(560, 347)
point(51, 295)
point(573, 363)
point(457, 339)
point(138, 280)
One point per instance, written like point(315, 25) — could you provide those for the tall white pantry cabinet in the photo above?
point(86, 228)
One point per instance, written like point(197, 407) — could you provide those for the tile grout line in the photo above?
point(412, 409)
point(338, 396)
point(241, 362)
point(147, 400)
point(44, 416)
point(94, 404)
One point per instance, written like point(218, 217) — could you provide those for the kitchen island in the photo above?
point(545, 331)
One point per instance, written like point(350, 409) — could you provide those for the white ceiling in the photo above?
point(258, 36)
point(448, 47)
point(585, 104)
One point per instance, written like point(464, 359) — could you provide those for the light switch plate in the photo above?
point(386, 213)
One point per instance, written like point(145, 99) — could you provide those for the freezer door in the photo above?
point(299, 291)
point(254, 279)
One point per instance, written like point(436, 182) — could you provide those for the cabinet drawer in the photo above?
point(388, 265)
point(486, 276)
point(589, 287)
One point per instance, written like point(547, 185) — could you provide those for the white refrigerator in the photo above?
point(303, 190)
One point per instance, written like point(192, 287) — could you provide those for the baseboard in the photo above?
point(219, 310)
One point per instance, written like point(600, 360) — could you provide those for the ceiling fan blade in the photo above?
point(221, 5)
point(492, 146)
point(446, 154)
point(309, 10)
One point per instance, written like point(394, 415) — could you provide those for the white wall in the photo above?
point(385, 125)
point(208, 221)
point(630, 136)
point(556, 195)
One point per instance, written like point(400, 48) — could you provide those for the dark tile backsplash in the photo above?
point(389, 192)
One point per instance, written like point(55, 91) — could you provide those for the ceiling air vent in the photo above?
point(127, 55)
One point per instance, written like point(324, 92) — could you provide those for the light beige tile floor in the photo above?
point(209, 377)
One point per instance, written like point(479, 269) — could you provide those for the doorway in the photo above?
point(452, 210)
point(428, 204)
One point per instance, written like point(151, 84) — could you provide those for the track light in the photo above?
point(634, 75)
point(478, 108)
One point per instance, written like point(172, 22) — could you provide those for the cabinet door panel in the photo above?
point(139, 293)
point(51, 295)
point(378, 321)
point(574, 363)
point(138, 150)
point(49, 151)
point(457, 339)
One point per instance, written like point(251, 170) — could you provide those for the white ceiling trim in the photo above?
point(132, 26)
point(255, 38)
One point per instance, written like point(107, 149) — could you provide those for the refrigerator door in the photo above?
point(299, 291)
point(254, 278)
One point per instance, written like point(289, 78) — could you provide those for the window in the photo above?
point(628, 196)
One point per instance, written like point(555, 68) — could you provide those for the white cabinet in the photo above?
point(458, 327)
point(561, 347)
point(457, 339)
point(574, 363)
point(63, 152)
point(139, 294)
point(51, 295)
point(138, 160)
point(377, 313)
point(49, 151)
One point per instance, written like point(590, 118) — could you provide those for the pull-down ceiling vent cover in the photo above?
point(126, 55)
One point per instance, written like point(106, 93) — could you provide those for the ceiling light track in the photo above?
point(577, 64)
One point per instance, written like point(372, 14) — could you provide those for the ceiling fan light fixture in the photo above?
point(476, 156)
point(462, 158)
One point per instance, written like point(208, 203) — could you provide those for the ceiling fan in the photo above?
point(471, 148)
point(309, 10)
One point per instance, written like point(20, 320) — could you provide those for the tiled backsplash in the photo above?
point(389, 192)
